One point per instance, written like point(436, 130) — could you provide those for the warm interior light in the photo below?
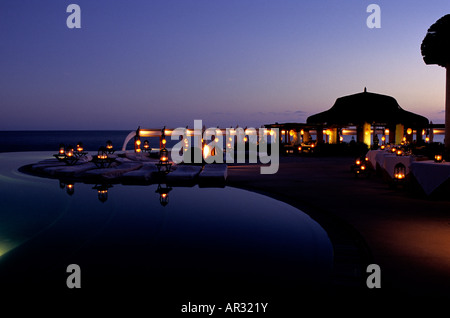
point(245, 139)
point(409, 131)
point(386, 131)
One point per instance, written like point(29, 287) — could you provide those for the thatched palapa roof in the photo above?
point(367, 107)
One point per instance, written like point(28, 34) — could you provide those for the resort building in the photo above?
point(365, 116)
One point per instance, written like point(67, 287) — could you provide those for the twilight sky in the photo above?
point(227, 62)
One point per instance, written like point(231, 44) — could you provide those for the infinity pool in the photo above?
point(133, 236)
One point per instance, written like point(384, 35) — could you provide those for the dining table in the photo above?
point(430, 175)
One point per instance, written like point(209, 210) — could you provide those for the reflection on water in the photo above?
point(128, 235)
point(102, 190)
point(163, 191)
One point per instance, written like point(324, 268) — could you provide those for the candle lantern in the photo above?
point(102, 153)
point(146, 146)
point(102, 159)
point(163, 191)
point(438, 158)
point(137, 144)
point(79, 147)
point(162, 138)
point(61, 155)
point(70, 157)
point(399, 152)
point(109, 147)
point(382, 147)
point(164, 165)
point(79, 150)
point(62, 149)
point(164, 155)
point(69, 151)
point(393, 150)
point(399, 173)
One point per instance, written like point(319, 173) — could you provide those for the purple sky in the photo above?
point(227, 62)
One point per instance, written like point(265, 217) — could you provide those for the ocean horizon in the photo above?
point(49, 140)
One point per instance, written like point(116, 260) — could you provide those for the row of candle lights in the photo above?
point(102, 191)
point(70, 155)
point(438, 158)
point(360, 168)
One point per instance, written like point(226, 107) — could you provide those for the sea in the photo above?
point(42, 140)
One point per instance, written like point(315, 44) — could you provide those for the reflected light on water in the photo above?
point(204, 233)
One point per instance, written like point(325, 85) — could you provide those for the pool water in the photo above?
point(208, 239)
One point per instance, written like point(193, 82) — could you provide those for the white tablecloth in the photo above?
point(371, 154)
point(387, 160)
point(430, 175)
point(390, 161)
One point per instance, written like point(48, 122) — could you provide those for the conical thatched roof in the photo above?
point(367, 107)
